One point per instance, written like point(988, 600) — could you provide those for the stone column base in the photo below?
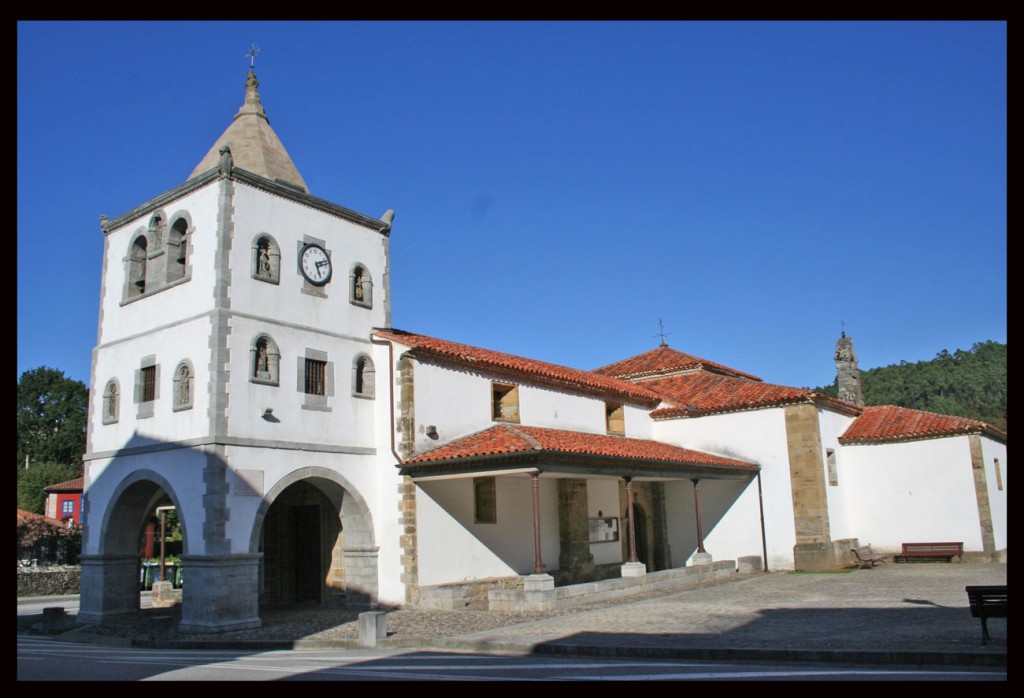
point(538, 582)
point(220, 593)
point(634, 569)
point(109, 587)
point(814, 557)
point(701, 559)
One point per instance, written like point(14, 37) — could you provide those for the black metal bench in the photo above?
point(987, 602)
point(865, 557)
point(947, 550)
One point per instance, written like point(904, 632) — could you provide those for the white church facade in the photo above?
point(246, 373)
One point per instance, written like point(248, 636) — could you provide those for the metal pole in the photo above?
point(696, 506)
point(632, 521)
point(163, 521)
point(538, 566)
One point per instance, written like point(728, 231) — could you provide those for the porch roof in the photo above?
point(515, 448)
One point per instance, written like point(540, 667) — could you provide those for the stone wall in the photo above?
point(49, 581)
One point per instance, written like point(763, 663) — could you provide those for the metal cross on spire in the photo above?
point(842, 326)
point(662, 333)
point(251, 55)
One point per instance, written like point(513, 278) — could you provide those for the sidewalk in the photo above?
point(914, 613)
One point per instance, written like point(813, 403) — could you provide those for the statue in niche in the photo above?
point(183, 385)
point(262, 361)
point(357, 289)
point(263, 264)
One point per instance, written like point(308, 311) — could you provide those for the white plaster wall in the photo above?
point(288, 222)
point(181, 468)
point(758, 436)
point(121, 360)
point(991, 450)
point(603, 500)
point(350, 420)
point(831, 426)
point(458, 402)
point(453, 549)
point(730, 521)
point(912, 491)
point(172, 304)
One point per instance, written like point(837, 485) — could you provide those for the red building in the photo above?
point(64, 500)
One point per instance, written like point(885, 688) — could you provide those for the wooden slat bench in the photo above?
point(865, 557)
point(932, 550)
point(987, 602)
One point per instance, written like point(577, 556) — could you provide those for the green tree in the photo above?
point(33, 479)
point(52, 411)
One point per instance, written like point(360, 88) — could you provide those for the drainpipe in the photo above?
point(391, 388)
point(760, 504)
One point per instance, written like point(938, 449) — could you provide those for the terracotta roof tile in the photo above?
point(665, 360)
point(891, 423)
point(77, 484)
point(464, 355)
point(704, 393)
point(506, 439)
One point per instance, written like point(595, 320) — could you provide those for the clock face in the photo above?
point(315, 265)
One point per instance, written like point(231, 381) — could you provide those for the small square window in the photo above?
point(505, 402)
point(615, 422)
point(485, 500)
point(316, 377)
point(67, 506)
point(999, 475)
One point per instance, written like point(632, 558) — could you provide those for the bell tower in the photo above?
point(847, 373)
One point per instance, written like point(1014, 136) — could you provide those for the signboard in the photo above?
point(604, 530)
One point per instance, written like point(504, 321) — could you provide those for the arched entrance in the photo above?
point(315, 535)
point(111, 579)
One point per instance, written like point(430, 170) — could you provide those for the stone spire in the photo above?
point(847, 373)
point(254, 145)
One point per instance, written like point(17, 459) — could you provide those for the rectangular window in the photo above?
point(68, 506)
point(615, 422)
point(833, 473)
point(485, 500)
point(505, 402)
point(149, 384)
point(316, 377)
point(999, 475)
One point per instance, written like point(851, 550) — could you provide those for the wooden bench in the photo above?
point(987, 602)
point(866, 558)
point(931, 550)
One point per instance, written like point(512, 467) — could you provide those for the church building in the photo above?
point(247, 373)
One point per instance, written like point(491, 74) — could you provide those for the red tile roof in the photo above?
point(700, 393)
point(665, 360)
point(891, 423)
point(77, 484)
point(507, 439)
point(25, 517)
point(531, 370)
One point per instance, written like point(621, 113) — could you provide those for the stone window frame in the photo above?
point(365, 285)
point(147, 365)
point(504, 402)
point(272, 374)
point(135, 264)
point(833, 471)
point(179, 248)
point(159, 256)
point(363, 376)
point(485, 500)
point(999, 474)
point(111, 402)
point(190, 376)
point(313, 401)
point(272, 273)
point(614, 418)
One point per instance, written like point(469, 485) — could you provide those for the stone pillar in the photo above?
point(813, 549)
point(220, 593)
point(574, 559)
point(110, 586)
point(662, 554)
point(361, 576)
point(407, 541)
point(988, 540)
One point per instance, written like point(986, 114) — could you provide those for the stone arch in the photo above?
point(359, 550)
point(131, 500)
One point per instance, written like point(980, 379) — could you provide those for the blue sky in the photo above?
point(560, 187)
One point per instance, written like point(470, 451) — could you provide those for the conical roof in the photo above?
point(254, 145)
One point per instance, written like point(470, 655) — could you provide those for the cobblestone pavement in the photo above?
point(915, 612)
